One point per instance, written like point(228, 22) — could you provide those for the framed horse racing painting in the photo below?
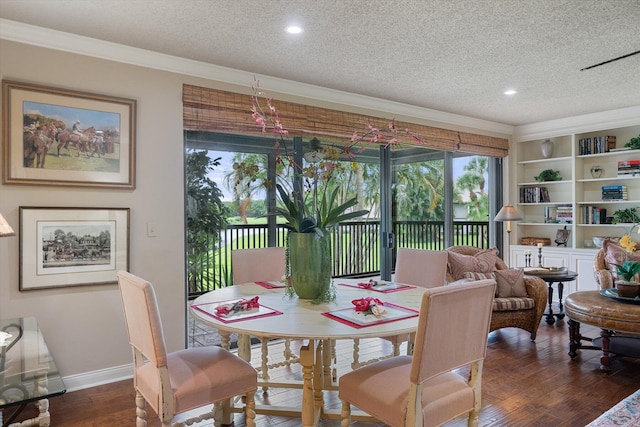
point(62, 247)
point(63, 137)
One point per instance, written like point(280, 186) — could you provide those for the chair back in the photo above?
point(452, 328)
point(420, 267)
point(142, 318)
point(250, 265)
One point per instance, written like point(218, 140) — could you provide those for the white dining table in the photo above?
point(302, 320)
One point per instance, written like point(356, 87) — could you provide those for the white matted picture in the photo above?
point(62, 247)
point(62, 137)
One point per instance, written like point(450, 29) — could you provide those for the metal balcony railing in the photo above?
point(356, 247)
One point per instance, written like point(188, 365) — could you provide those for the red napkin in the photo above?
point(241, 306)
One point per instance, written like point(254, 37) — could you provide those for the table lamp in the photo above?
point(507, 214)
point(5, 228)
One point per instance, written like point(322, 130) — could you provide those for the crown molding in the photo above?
point(622, 117)
point(67, 42)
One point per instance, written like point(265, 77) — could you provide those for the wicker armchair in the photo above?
point(528, 319)
point(603, 276)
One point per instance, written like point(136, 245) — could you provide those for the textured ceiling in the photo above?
point(456, 56)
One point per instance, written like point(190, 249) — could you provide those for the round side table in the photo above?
point(551, 279)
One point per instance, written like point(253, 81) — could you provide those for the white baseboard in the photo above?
point(99, 377)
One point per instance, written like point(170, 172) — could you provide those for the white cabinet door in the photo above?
point(582, 263)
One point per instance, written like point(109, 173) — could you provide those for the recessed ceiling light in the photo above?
point(294, 29)
point(510, 92)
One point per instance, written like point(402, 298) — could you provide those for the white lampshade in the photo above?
point(5, 228)
point(507, 214)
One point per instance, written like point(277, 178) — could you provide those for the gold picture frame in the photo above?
point(64, 137)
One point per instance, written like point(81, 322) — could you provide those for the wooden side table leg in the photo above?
point(574, 337)
point(560, 315)
point(549, 316)
point(605, 361)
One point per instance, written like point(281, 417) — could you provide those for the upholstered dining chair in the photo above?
point(421, 267)
point(418, 267)
point(423, 390)
point(268, 265)
point(173, 383)
point(264, 264)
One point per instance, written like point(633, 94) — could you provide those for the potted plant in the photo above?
point(312, 212)
point(548, 175)
point(626, 216)
point(626, 273)
point(634, 143)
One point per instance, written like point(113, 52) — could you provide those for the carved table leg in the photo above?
point(356, 354)
point(560, 315)
point(574, 337)
point(605, 362)
point(549, 316)
point(307, 360)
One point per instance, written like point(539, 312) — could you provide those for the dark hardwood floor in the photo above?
point(524, 384)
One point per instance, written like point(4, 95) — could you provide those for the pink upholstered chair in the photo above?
point(269, 265)
point(422, 390)
point(173, 383)
point(418, 267)
point(263, 264)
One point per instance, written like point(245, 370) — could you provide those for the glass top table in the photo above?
point(28, 372)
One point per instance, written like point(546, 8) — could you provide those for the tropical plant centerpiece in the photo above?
point(309, 241)
point(322, 199)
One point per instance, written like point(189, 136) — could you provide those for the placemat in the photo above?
point(210, 310)
point(358, 319)
point(384, 288)
point(271, 285)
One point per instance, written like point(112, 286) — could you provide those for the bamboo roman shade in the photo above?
point(214, 110)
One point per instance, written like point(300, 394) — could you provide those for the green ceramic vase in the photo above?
point(310, 264)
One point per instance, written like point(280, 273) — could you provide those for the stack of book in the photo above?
point(564, 214)
point(614, 192)
point(593, 215)
point(534, 195)
point(628, 168)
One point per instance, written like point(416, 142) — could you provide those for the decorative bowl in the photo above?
point(628, 289)
point(598, 241)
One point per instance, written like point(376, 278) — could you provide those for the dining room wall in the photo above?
point(84, 325)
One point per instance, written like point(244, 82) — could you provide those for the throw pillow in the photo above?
point(480, 276)
point(472, 275)
point(510, 283)
point(482, 262)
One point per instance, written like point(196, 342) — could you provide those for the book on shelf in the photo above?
point(628, 168)
point(564, 214)
point(596, 145)
point(584, 146)
point(593, 215)
point(534, 195)
point(550, 214)
point(614, 192)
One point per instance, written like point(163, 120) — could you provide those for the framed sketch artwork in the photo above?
point(72, 246)
point(63, 137)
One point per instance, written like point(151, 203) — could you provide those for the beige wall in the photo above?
point(84, 326)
